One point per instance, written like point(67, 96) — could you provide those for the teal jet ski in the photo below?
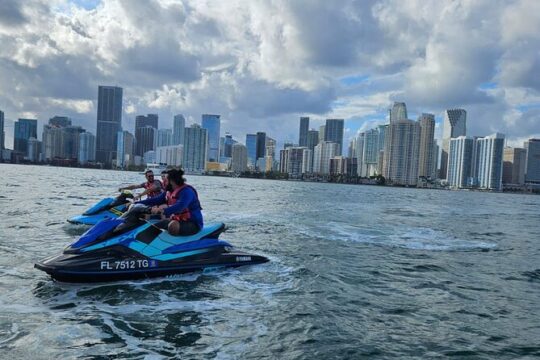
point(108, 208)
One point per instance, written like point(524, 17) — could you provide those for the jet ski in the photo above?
point(132, 248)
point(108, 208)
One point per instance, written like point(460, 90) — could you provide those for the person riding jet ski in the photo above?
point(152, 187)
point(179, 205)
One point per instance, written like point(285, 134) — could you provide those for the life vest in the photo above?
point(150, 185)
point(171, 198)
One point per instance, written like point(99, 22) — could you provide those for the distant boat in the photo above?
point(157, 168)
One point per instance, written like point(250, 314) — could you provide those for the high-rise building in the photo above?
point(514, 160)
point(195, 148)
point(398, 112)
point(307, 161)
point(146, 127)
point(126, 149)
point(24, 130)
point(239, 158)
point(427, 140)
point(338, 165)
point(435, 164)
point(532, 165)
point(295, 162)
point(251, 145)
point(147, 120)
point(164, 137)
point(312, 139)
point(370, 153)
point(460, 159)
point(270, 151)
point(455, 124)
point(109, 122)
point(172, 155)
point(303, 133)
point(212, 123)
point(358, 153)
point(34, 150)
point(261, 145)
point(333, 132)
point(71, 139)
point(87, 148)
point(61, 139)
point(145, 139)
point(322, 129)
point(489, 161)
point(2, 134)
point(401, 152)
point(228, 143)
point(324, 151)
point(179, 124)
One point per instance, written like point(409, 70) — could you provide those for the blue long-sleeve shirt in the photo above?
point(185, 200)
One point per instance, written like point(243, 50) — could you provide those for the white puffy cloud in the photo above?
point(262, 64)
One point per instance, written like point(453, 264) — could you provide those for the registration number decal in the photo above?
point(243, 258)
point(128, 264)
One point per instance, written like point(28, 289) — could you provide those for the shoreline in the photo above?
point(534, 190)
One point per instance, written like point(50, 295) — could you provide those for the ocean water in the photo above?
point(355, 272)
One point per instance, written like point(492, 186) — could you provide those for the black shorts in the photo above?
point(186, 227)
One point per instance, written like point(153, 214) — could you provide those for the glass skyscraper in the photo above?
point(145, 133)
point(532, 164)
point(195, 148)
point(24, 130)
point(455, 124)
point(179, 124)
point(2, 136)
point(109, 122)
point(333, 132)
point(251, 145)
point(212, 123)
point(303, 134)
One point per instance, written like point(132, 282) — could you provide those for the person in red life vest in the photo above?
point(179, 206)
point(152, 187)
point(164, 179)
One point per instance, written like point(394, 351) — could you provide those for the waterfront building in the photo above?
point(532, 164)
point(195, 148)
point(109, 122)
point(212, 123)
point(87, 148)
point(164, 137)
point(251, 145)
point(34, 150)
point(145, 139)
point(239, 158)
point(338, 165)
point(179, 124)
point(489, 162)
point(24, 130)
point(460, 159)
point(303, 133)
point(333, 132)
point(401, 152)
point(2, 133)
point(514, 160)
point(454, 125)
point(125, 150)
point(426, 155)
point(324, 151)
point(261, 145)
point(172, 155)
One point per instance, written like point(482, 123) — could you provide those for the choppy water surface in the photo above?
point(355, 271)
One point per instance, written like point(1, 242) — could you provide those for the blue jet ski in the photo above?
point(131, 248)
point(108, 208)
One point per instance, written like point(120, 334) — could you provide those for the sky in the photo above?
point(261, 64)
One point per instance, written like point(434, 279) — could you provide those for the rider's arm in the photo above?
point(183, 202)
point(131, 187)
point(154, 201)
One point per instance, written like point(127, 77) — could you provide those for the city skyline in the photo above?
point(354, 72)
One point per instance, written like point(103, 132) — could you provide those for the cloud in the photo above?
point(262, 64)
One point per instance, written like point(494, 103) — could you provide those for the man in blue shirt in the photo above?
point(179, 205)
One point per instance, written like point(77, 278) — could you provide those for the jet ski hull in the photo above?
point(106, 269)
